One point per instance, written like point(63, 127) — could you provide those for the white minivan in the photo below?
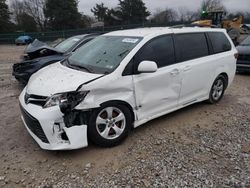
point(123, 79)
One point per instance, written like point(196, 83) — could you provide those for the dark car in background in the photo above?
point(38, 55)
point(23, 40)
point(243, 63)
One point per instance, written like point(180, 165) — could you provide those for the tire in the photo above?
point(109, 125)
point(217, 90)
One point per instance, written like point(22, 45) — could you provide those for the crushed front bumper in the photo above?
point(21, 75)
point(48, 129)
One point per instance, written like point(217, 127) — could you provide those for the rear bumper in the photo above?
point(47, 127)
point(243, 65)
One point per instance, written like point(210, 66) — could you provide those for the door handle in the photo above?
point(175, 72)
point(187, 68)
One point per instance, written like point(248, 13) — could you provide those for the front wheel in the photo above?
point(109, 125)
point(217, 90)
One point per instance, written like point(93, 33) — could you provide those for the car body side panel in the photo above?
point(108, 89)
point(157, 92)
point(226, 63)
point(196, 81)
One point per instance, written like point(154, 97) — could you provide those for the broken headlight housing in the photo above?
point(66, 100)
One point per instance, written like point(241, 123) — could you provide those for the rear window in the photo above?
point(191, 46)
point(219, 42)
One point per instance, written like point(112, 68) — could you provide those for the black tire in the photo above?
point(94, 133)
point(213, 98)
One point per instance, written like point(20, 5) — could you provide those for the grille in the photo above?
point(244, 57)
point(34, 125)
point(35, 99)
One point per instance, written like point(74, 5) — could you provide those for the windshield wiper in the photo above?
point(85, 68)
point(79, 67)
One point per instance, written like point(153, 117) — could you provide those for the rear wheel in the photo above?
point(217, 90)
point(109, 125)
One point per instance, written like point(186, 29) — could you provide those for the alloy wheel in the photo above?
point(218, 88)
point(110, 123)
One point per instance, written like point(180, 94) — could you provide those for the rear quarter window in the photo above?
point(219, 41)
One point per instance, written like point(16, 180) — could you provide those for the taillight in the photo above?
point(236, 56)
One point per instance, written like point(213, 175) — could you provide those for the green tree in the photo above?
point(100, 11)
point(166, 16)
point(113, 17)
point(133, 11)
point(34, 8)
point(86, 21)
point(212, 5)
point(22, 17)
point(27, 23)
point(62, 14)
point(5, 24)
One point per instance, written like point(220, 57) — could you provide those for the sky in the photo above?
point(154, 5)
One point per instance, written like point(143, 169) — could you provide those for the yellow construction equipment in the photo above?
point(215, 19)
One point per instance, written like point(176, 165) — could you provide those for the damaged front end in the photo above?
point(55, 128)
point(75, 130)
point(22, 71)
point(39, 49)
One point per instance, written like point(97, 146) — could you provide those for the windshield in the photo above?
point(67, 44)
point(103, 54)
point(246, 42)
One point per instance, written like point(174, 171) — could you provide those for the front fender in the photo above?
point(120, 89)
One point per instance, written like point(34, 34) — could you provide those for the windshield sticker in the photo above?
point(130, 40)
point(76, 39)
point(109, 66)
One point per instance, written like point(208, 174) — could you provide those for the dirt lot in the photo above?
point(200, 146)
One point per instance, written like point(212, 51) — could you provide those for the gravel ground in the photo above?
point(200, 146)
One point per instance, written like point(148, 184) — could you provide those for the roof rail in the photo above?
point(190, 25)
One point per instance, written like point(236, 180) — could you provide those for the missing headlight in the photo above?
point(73, 99)
point(66, 100)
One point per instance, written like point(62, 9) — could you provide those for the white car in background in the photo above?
point(123, 79)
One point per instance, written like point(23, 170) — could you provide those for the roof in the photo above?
point(143, 32)
point(139, 32)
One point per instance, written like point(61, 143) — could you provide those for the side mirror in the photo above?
point(147, 67)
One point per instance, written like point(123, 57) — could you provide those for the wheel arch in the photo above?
point(225, 75)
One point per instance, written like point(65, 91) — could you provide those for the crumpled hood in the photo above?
point(57, 78)
point(243, 50)
point(37, 45)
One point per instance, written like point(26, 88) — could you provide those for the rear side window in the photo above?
point(219, 42)
point(191, 46)
point(159, 50)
